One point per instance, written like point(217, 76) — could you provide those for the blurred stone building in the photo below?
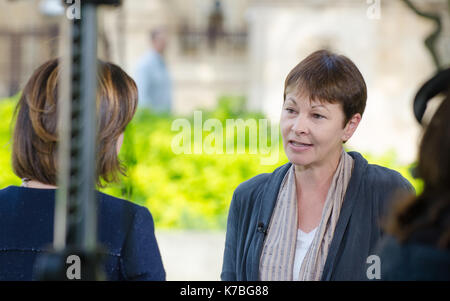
point(247, 47)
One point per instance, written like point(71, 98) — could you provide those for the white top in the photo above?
point(304, 240)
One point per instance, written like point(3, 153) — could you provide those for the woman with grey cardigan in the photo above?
point(316, 217)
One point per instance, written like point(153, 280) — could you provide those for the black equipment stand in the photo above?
point(75, 224)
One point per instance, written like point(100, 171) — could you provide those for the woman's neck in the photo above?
point(37, 184)
point(311, 178)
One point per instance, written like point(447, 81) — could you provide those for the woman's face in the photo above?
point(313, 131)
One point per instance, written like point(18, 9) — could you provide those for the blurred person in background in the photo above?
point(27, 212)
point(152, 75)
point(316, 217)
point(418, 244)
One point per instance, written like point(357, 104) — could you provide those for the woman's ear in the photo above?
point(350, 127)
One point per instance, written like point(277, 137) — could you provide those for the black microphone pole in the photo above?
point(76, 254)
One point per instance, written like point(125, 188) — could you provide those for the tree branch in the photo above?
point(430, 41)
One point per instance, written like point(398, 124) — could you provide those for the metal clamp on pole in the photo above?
point(75, 227)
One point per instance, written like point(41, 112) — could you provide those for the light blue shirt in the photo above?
point(154, 83)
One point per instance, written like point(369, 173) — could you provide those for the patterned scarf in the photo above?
point(277, 258)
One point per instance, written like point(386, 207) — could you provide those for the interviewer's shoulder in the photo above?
point(120, 208)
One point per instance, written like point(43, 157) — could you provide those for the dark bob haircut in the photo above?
point(35, 133)
point(428, 214)
point(325, 76)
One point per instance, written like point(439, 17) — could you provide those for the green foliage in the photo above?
point(7, 177)
point(188, 191)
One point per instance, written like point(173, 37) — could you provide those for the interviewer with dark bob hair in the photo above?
point(27, 212)
point(316, 217)
point(417, 246)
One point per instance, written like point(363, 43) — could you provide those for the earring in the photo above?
point(25, 182)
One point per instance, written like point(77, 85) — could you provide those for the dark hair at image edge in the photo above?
point(430, 211)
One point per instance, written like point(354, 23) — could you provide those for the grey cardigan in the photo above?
point(369, 191)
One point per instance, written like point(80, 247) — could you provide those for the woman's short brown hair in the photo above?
point(35, 132)
point(329, 77)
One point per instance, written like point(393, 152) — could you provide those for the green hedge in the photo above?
point(185, 191)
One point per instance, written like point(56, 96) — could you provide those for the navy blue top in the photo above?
point(369, 191)
point(125, 229)
point(412, 261)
